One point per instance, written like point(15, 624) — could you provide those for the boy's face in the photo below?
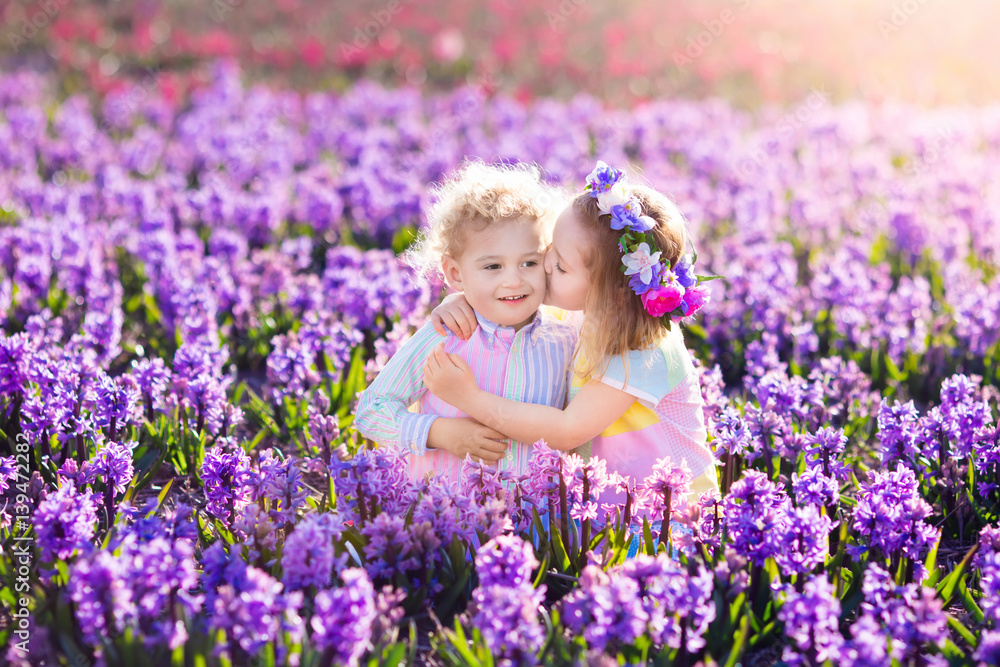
point(500, 271)
point(568, 278)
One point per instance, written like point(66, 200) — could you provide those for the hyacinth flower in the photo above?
point(565, 492)
point(506, 606)
point(229, 481)
point(65, 522)
point(342, 622)
point(279, 484)
point(812, 621)
point(898, 622)
point(664, 490)
point(140, 586)
point(647, 604)
point(369, 482)
point(112, 465)
point(254, 612)
point(890, 515)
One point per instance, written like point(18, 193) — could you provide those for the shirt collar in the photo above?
point(489, 328)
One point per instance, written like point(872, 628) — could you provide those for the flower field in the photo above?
point(193, 292)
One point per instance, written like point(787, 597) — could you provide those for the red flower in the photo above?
point(662, 300)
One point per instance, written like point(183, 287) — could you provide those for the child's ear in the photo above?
point(452, 272)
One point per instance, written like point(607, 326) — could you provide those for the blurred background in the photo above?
point(749, 52)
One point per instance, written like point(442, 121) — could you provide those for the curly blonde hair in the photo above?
point(476, 196)
point(615, 320)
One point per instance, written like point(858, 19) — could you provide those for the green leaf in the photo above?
point(963, 631)
point(970, 602)
point(948, 587)
point(739, 641)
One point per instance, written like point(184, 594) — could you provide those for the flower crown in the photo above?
point(671, 293)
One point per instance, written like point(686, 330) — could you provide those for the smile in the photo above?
point(514, 298)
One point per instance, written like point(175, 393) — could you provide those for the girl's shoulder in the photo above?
point(654, 372)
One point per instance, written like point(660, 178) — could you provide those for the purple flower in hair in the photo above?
point(601, 179)
point(685, 274)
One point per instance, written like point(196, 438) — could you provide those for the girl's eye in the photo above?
point(559, 268)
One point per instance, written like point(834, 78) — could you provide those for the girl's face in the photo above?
point(566, 274)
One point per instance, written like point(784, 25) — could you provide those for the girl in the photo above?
point(634, 397)
point(488, 232)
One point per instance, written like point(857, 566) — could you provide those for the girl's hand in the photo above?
point(464, 435)
point(448, 377)
point(455, 313)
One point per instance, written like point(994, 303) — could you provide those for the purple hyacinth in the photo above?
point(806, 540)
point(505, 561)
point(153, 379)
point(343, 618)
point(899, 432)
point(308, 557)
point(290, 368)
point(15, 355)
point(890, 513)
point(116, 406)
point(988, 563)
point(280, 483)
point(161, 571)
point(732, 434)
point(254, 613)
point(812, 487)
point(8, 472)
point(506, 603)
point(988, 651)
point(369, 480)
point(824, 450)
point(605, 608)
point(99, 587)
point(912, 615)
point(64, 522)
point(389, 550)
point(229, 480)
point(704, 518)
point(812, 620)
point(755, 512)
point(678, 603)
point(112, 465)
point(869, 643)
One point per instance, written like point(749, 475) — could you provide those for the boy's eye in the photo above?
point(490, 267)
point(531, 262)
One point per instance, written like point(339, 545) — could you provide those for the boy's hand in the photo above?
point(464, 435)
point(448, 377)
point(455, 313)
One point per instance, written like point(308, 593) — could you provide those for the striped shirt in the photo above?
point(530, 366)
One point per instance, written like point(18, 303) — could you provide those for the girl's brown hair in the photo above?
point(616, 321)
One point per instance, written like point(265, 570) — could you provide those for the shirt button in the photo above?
point(510, 457)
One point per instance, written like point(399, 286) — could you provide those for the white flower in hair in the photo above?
point(614, 196)
point(641, 262)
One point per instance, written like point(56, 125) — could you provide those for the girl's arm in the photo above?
point(382, 414)
point(594, 408)
point(455, 313)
